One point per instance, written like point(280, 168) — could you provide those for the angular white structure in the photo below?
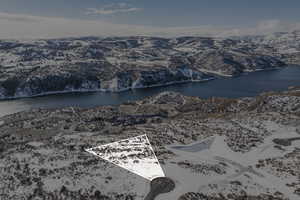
point(134, 154)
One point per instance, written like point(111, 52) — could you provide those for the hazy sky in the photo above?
point(142, 15)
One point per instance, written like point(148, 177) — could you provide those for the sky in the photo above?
point(63, 18)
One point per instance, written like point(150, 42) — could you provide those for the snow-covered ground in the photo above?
point(220, 148)
point(238, 166)
point(133, 154)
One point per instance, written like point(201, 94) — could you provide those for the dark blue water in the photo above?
point(243, 86)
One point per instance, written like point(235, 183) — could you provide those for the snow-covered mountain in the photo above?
point(29, 68)
point(285, 45)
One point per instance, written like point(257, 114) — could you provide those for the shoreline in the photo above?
point(103, 90)
point(132, 88)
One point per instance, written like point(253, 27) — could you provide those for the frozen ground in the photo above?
point(239, 167)
point(216, 148)
point(133, 154)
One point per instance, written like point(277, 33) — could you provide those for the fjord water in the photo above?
point(243, 86)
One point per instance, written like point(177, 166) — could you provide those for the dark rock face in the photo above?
point(121, 63)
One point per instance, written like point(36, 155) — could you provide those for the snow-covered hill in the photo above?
point(223, 149)
point(29, 68)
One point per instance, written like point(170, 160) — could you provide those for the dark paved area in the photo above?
point(158, 186)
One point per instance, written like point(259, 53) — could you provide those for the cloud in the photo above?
point(112, 9)
point(17, 18)
point(16, 26)
point(263, 27)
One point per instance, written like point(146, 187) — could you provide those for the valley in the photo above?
point(40, 67)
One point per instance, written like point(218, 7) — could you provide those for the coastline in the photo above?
point(216, 76)
point(103, 90)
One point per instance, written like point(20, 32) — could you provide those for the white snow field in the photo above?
point(240, 167)
point(133, 154)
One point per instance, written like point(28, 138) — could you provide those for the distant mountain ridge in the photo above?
point(30, 68)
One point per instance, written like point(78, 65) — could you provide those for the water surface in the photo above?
point(243, 86)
